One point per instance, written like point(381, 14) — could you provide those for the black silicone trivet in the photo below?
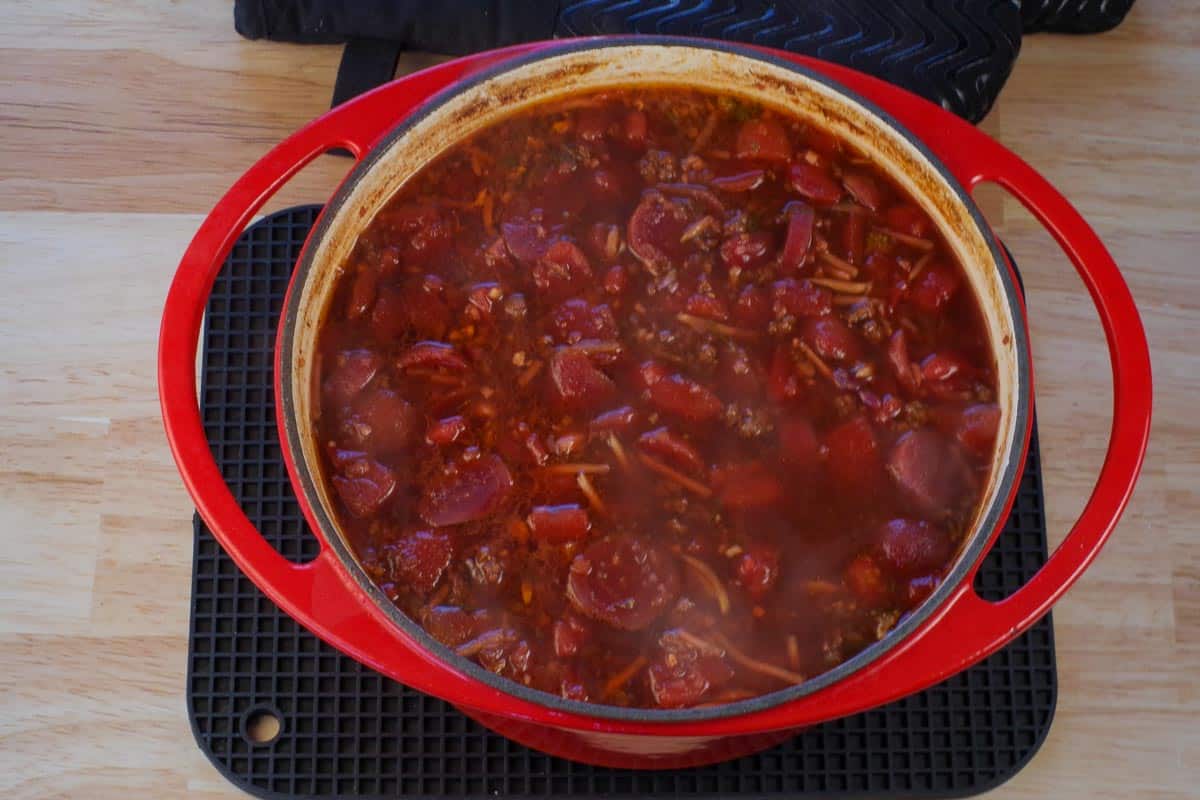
point(348, 732)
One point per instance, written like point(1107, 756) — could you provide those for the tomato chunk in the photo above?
point(685, 398)
point(913, 547)
point(813, 182)
point(757, 570)
point(565, 523)
point(763, 140)
point(866, 580)
point(672, 448)
point(747, 485)
point(563, 270)
point(420, 559)
point(472, 491)
point(832, 339)
point(977, 428)
point(576, 384)
point(351, 372)
point(364, 485)
point(854, 459)
point(801, 298)
point(935, 287)
point(746, 250)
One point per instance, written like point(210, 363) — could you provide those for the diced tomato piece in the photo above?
point(387, 421)
point(682, 682)
point(474, 490)
point(943, 366)
point(611, 185)
point(649, 373)
point(685, 398)
point(616, 280)
point(362, 291)
point(578, 319)
point(752, 308)
point(418, 305)
point(783, 383)
point(864, 188)
point(634, 129)
point(798, 241)
point(854, 236)
point(822, 141)
point(364, 485)
point(450, 625)
point(423, 231)
point(813, 182)
point(563, 271)
point(351, 371)
point(977, 428)
point(618, 419)
point(946, 375)
point(911, 547)
point(570, 634)
point(702, 305)
point(831, 339)
point(593, 124)
point(907, 218)
point(625, 582)
point(798, 445)
point(757, 570)
point(763, 140)
point(446, 431)
point(866, 580)
point(739, 372)
point(854, 458)
point(747, 485)
point(747, 250)
point(576, 384)
point(419, 560)
point(935, 287)
point(672, 448)
point(565, 523)
point(800, 298)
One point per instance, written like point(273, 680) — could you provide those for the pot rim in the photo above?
point(987, 523)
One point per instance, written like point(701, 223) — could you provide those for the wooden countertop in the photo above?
point(123, 123)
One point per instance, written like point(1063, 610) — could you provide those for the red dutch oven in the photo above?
point(398, 128)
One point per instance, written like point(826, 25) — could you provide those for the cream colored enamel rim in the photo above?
point(591, 65)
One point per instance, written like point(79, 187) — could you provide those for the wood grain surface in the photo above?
point(120, 125)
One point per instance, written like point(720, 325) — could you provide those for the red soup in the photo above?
point(655, 398)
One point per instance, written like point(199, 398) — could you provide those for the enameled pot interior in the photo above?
point(587, 66)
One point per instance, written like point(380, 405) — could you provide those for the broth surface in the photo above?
point(654, 398)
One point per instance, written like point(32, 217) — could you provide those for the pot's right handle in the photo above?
point(970, 628)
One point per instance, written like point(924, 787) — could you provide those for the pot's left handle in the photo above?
point(290, 585)
point(314, 593)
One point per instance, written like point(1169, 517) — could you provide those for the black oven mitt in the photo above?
point(957, 53)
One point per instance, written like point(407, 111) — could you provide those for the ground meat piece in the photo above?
point(658, 166)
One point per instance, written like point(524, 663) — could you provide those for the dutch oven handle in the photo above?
point(971, 628)
point(315, 593)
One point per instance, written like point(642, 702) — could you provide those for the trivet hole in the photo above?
point(262, 725)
